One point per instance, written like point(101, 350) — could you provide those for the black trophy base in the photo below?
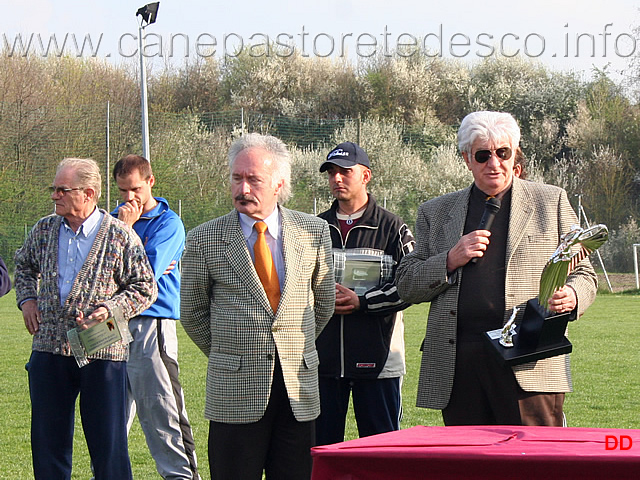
point(538, 336)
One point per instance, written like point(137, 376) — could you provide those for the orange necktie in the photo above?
point(265, 266)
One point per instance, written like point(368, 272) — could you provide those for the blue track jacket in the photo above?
point(162, 234)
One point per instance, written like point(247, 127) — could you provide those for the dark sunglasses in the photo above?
point(483, 156)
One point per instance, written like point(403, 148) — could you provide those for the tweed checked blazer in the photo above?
point(539, 215)
point(226, 312)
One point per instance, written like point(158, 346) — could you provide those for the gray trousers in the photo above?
point(154, 391)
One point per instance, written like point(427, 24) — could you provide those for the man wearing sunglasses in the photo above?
point(474, 277)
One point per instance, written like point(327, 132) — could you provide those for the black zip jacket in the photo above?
point(357, 345)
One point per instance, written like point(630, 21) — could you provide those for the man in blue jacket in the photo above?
point(154, 389)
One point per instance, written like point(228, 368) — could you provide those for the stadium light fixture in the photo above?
point(148, 15)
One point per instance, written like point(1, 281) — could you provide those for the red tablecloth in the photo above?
point(501, 452)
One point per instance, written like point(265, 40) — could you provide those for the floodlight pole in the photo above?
point(143, 96)
point(635, 263)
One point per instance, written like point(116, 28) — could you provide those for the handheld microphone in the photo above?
point(490, 210)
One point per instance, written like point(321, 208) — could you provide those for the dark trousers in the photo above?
point(277, 443)
point(484, 390)
point(376, 405)
point(55, 382)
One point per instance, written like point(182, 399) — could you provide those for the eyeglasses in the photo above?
point(482, 156)
point(62, 190)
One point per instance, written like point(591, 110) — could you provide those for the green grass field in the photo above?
point(605, 363)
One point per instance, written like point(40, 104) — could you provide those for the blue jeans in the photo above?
point(55, 381)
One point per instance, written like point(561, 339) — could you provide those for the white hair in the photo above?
point(487, 126)
point(280, 159)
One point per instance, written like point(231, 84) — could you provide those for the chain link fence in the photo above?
point(188, 154)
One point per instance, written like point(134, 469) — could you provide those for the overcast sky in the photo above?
point(467, 29)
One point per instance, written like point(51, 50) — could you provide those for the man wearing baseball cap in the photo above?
point(362, 348)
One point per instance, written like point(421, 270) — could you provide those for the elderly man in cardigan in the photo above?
point(76, 265)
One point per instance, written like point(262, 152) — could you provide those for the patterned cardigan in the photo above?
point(116, 275)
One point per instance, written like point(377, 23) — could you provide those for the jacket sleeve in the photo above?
point(422, 274)
point(5, 280)
point(323, 282)
point(27, 270)
point(165, 244)
point(195, 295)
point(385, 299)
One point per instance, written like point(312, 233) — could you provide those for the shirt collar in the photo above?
point(88, 226)
point(272, 221)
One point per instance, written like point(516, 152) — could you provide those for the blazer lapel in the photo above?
point(457, 216)
point(520, 216)
point(292, 252)
point(239, 259)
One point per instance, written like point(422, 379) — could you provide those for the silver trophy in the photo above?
point(509, 330)
point(361, 269)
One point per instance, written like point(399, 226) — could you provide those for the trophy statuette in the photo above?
point(541, 334)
